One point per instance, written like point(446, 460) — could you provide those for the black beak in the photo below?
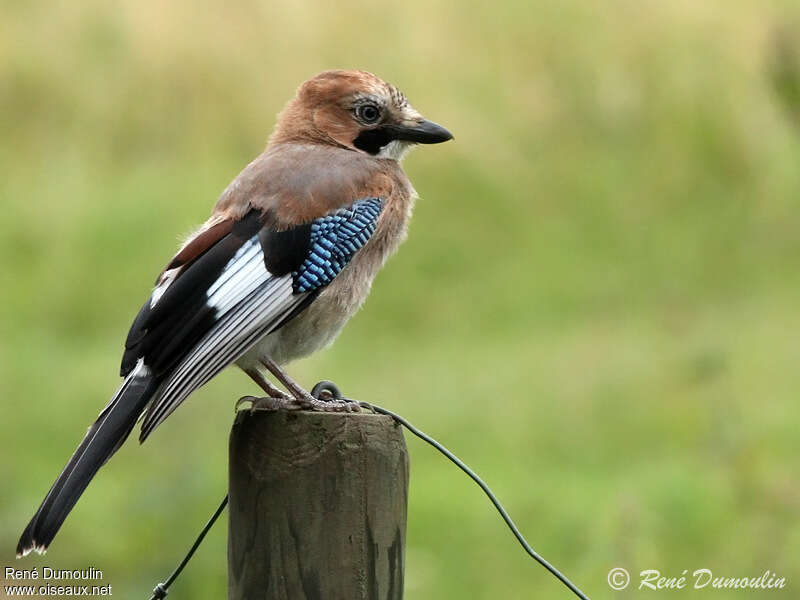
point(424, 132)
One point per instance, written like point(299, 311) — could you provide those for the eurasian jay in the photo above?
point(287, 257)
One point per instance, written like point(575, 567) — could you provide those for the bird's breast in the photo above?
point(319, 324)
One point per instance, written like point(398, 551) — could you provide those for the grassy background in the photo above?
point(597, 307)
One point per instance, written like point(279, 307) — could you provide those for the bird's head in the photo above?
point(355, 110)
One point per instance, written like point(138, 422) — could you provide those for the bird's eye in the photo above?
point(368, 113)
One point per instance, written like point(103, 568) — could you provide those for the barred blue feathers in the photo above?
point(335, 238)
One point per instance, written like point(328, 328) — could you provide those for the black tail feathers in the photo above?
point(104, 437)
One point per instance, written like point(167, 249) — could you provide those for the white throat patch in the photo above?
point(396, 149)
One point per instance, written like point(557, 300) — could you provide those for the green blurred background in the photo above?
point(597, 306)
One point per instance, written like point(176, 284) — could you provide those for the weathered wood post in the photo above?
point(317, 507)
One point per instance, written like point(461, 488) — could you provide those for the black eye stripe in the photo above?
point(372, 140)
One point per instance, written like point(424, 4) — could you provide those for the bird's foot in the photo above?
point(325, 397)
point(308, 402)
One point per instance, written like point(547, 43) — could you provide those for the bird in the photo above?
point(287, 256)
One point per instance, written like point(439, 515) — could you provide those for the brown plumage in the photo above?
point(286, 258)
point(299, 181)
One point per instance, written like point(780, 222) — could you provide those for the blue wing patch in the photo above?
point(335, 238)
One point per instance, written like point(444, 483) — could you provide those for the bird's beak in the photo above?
point(421, 132)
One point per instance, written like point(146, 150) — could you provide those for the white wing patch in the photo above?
point(249, 302)
point(242, 271)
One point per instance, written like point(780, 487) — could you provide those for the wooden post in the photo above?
point(317, 507)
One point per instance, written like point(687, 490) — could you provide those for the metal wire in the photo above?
point(474, 476)
point(162, 589)
point(329, 389)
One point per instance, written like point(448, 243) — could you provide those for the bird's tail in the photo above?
point(104, 437)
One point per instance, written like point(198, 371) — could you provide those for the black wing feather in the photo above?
point(180, 318)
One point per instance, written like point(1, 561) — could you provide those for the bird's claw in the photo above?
point(245, 400)
point(268, 403)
